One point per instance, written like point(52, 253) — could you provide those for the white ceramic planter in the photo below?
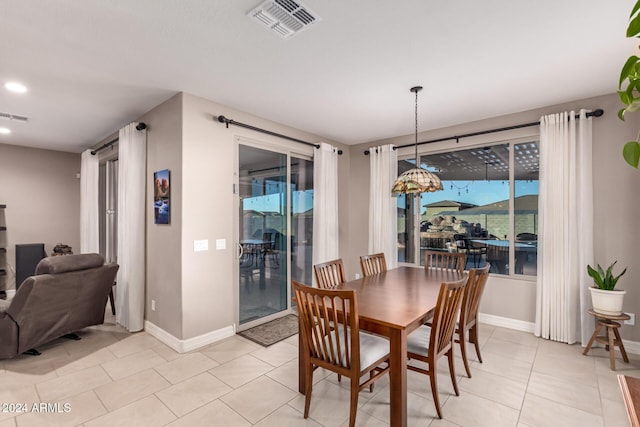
point(607, 302)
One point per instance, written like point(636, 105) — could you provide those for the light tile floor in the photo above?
point(113, 378)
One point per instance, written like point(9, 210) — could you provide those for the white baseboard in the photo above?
point(183, 346)
point(505, 322)
point(632, 347)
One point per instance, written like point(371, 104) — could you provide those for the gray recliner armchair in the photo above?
point(66, 294)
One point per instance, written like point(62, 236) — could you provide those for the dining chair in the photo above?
point(329, 274)
point(445, 260)
point(331, 339)
point(373, 264)
point(469, 312)
point(428, 343)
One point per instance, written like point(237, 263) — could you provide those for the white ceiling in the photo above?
point(92, 66)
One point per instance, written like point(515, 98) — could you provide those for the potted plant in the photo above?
point(629, 88)
point(606, 299)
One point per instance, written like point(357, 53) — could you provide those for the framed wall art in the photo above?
point(161, 197)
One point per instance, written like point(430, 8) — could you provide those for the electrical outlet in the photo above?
point(153, 305)
point(631, 321)
point(357, 275)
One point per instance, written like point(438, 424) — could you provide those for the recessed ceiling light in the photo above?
point(5, 131)
point(15, 87)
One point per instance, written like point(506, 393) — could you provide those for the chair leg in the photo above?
point(433, 377)
point(307, 389)
point(452, 371)
point(473, 337)
point(463, 352)
point(353, 405)
point(371, 376)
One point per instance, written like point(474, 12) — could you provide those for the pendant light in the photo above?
point(416, 180)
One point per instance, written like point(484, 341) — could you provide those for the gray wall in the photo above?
point(616, 203)
point(42, 193)
point(195, 291)
point(164, 251)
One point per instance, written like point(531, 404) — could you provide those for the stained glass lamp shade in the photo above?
point(416, 180)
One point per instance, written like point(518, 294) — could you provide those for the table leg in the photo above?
point(398, 378)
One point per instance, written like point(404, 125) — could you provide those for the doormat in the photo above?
point(272, 332)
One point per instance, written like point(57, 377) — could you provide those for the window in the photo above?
point(488, 208)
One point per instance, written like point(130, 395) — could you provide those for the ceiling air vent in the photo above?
point(7, 116)
point(284, 17)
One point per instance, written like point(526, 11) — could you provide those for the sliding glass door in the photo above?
point(263, 229)
point(301, 220)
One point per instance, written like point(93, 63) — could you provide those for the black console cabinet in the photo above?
point(27, 258)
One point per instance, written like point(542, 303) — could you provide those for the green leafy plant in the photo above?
point(629, 88)
point(605, 280)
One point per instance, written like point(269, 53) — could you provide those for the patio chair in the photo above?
point(475, 252)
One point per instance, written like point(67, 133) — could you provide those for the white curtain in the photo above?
point(89, 219)
point(325, 204)
point(565, 228)
point(383, 210)
point(132, 154)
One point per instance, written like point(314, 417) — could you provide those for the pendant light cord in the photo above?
point(415, 90)
point(416, 140)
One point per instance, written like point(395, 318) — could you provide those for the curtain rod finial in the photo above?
point(223, 119)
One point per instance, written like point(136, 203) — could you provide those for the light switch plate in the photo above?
point(221, 244)
point(200, 245)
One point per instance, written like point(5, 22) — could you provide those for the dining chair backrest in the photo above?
point(329, 274)
point(469, 313)
point(445, 317)
point(473, 292)
point(330, 339)
point(445, 260)
point(373, 264)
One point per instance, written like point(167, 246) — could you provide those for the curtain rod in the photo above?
point(595, 113)
point(227, 122)
point(139, 126)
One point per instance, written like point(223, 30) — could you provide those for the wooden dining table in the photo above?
point(393, 304)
